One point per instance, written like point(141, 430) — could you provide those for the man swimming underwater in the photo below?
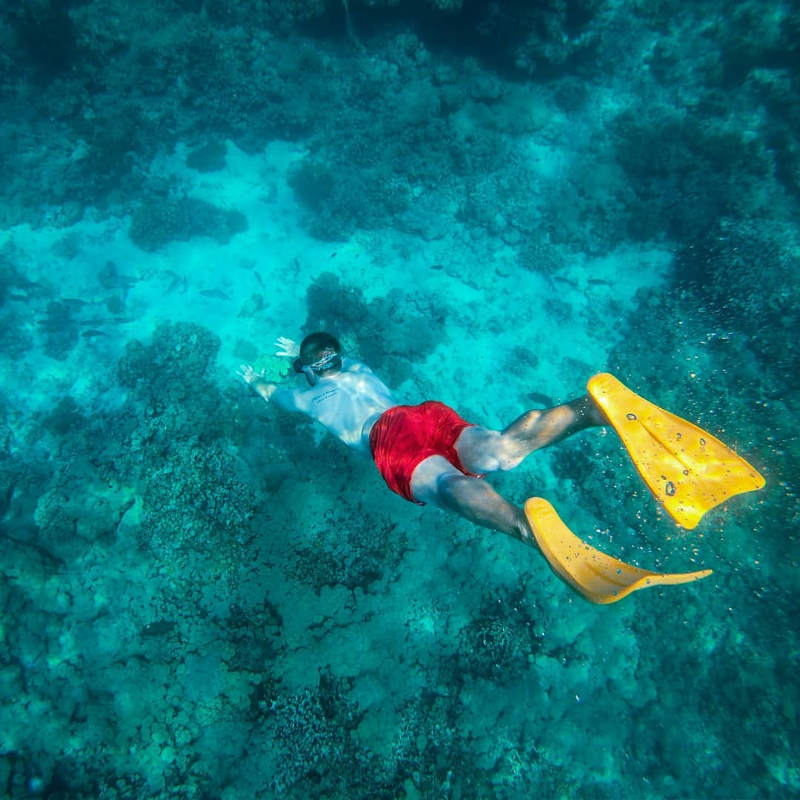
point(428, 454)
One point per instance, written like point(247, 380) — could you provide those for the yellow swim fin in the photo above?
point(687, 469)
point(597, 576)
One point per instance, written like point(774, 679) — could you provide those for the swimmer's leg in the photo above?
point(600, 578)
point(436, 481)
point(483, 450)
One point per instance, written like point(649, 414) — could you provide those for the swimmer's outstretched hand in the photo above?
point(256, 380)
point(287, 348)
point(248, 374)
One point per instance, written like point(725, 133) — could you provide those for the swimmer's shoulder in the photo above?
point(349, 365)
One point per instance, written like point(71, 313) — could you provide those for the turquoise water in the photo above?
point(204, 597)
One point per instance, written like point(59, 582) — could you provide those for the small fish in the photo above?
point(13, 279)
point(98, 321)
point(125, 282)
point(92, 332)
point(569, 282)
point(542, 399)
point(599, 282)
point(259, 279)
point(160, 627)
point(178, 283)
point(115, 320)
point(215, 293)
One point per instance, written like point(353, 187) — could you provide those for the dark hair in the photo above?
point(317, 347)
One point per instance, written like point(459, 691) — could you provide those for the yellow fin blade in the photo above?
point(686, 468)
point(598, 577)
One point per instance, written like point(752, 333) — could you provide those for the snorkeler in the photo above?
point(428, 454)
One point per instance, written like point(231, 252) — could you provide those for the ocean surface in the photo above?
point(203, 596)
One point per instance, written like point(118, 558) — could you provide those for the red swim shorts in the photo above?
point(403, 436)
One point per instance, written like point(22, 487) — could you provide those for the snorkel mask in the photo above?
point(326, 360)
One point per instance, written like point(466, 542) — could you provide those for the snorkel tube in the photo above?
point(306, 370)
point(327, 358)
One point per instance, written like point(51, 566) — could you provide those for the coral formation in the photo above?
point(486, 202)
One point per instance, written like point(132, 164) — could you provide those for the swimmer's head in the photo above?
point(319, 353)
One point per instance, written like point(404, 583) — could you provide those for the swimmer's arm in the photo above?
point(291, 399)
point(255, 380)
point(287, 399)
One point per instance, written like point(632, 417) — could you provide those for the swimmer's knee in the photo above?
point(482, 450)
point(509, 454)
point(497, 452)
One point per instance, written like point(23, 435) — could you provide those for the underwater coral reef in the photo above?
point(204, 596)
